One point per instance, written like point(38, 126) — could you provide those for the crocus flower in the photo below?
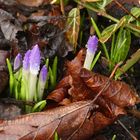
point(91, 49)
point(35, 60)
point(42, 81)
point(17, 65)
point(26, 60)
point(34, 69)
point(92, 44)
point(17, 61)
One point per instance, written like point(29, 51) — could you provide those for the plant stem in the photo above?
point(104, 14)
point(32, 87)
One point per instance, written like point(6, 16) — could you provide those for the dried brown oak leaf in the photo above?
point(117, 92)
point(78, 90)
point(61, 90)
point(74, 87)
point(72, 68)
point(73, 122)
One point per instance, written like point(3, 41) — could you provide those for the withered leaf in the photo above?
point(9, 25)
point(57, 43)
point(78, 90)
point(74, 87)
point(72, 68)
point(61, 90)
point(73, 23)
point(31, 3)
point(75, 121)
point(118, 92)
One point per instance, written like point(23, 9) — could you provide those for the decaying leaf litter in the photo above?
point(24, 24)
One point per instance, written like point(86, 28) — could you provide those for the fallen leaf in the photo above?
point(50, 38)
point(117, 92)
point(61, 90)
point(57, 43)
point(30, 3)
point(73, 23)
point(75, 89)
point(75, 121)
point(9, 25)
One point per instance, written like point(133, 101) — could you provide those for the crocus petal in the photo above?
point(92, 44)
point(35, 60)
point(17, 61)
point(26, 60)
point(91, 49)
point(43, 74)
point(42, 81)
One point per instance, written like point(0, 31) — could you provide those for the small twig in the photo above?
point(103, 13)
point(115, 69)
point(123, 126)
point(62, 7)
point(120, 5)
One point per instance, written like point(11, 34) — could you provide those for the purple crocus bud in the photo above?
point(17, 61)
point(35, 60)
point(92, 44)
point(42, 81)
point(26, 60)
point(43, 74)
point(91, 49)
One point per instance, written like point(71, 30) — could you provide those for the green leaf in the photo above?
point(51, 77)
point(54, 68)
point(107, 32)
point(129, 63)
point(17, 85)
point(114, 137)
point(47, 62)
point(135, 30)
point(120, 47)
point(99, 35)
point(56, 136)
point(103, 3)
point(24, 93)
point(73, 23)
point(100, 4)
point(135, 12)
point(112, 47)
point(95, 60)
point(39, 106)
point(11, 80)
